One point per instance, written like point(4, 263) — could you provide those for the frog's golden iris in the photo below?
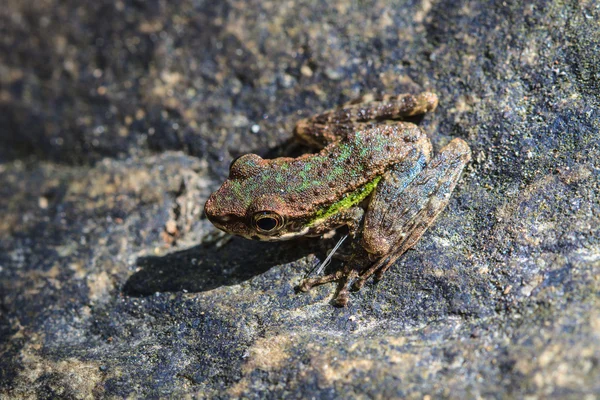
point(267, 222)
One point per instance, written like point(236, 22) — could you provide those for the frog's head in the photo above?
point(249, 203)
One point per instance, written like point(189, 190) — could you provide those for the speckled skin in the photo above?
point(299, 188)
point(499, 299)
point(315, 193)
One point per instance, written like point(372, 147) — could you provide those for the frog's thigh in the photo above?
point(369, 108)
point(389, 192)
point(405, 212)
point(326, 128)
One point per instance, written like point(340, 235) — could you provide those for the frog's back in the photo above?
point(317, 180)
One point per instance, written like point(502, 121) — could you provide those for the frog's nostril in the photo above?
point(219, 219)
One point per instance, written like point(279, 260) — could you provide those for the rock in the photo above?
point(119, 118)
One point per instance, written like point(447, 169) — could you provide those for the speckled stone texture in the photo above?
point(118, 118)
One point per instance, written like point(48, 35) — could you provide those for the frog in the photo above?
point(372, 173)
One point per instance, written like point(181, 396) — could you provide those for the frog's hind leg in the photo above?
point(328, 127)
point(391, 106)
point(404, 222)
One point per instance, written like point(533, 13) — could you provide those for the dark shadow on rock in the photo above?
point(206, 267)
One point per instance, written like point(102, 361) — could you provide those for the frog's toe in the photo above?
point(358, 284)
point(379, 274)
point(309, 283)
point(342, 298)
point(375, 268)
point(304, 286)
point(343, 294)
point(343, 278)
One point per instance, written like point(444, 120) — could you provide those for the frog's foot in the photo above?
point(310, 283)
point(360, 281)
point(342, 277)
point(383, 264)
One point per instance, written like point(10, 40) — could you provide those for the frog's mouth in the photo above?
point(277, 237)
point(239, 227)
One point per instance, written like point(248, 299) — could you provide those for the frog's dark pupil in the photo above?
point(267, 223)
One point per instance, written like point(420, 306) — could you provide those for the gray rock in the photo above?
point(117, 119)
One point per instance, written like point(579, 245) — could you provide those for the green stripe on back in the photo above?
point(350, 200)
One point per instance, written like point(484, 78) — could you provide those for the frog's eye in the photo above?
point(267, 222)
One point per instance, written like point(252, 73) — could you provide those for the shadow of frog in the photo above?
point(205, 267)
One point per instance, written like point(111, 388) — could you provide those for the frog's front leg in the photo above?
point(352, 218)
point(342, 276)
point(389, 232)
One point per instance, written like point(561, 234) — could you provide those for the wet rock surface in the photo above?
point(119, 118)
